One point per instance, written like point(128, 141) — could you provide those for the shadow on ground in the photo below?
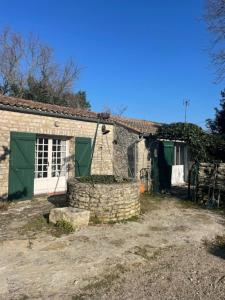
point(218, 251)
point(217, 247)
point(58, 200)
point(180, 192)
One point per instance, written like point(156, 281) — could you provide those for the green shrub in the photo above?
point(65, 226)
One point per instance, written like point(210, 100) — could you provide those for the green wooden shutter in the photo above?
point(166, 157)
point(82, 156)
point(168, 152)
point(155, 167)
point(21, 165)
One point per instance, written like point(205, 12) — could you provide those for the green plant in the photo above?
point(35, 224)
point(202, 145)
point(65, 226)
point(131, 219)
point(41, 224)
point(192, 134)
point(105, 179)
point(95, 220)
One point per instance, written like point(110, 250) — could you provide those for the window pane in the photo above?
point(182, 155)
point(59, 151)
point(177, 154)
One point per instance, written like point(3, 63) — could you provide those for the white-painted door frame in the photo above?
point(50, 184)
point(178, 171)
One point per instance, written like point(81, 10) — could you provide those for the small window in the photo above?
point(131, 155)
point(179, 149)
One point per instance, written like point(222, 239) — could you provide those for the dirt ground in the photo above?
point(165, 254)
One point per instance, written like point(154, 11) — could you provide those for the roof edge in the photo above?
point(52, 114)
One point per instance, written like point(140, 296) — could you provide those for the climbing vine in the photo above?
point(202, 145)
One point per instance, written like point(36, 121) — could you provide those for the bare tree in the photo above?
point(28, 69)
point(215, 20)
point(119, 112)
point(11, 54)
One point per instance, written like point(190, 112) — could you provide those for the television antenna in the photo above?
point(186, 104)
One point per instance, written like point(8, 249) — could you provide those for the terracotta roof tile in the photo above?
point(45, 107)
point(140, 126)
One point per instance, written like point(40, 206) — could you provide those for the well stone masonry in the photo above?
point(106, 202)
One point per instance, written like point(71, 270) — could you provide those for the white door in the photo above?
point(50, 165)
point(178, 167)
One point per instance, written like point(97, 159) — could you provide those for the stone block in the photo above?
point(75, 216)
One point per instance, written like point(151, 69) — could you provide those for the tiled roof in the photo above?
point(45, 107)
point(139, 126)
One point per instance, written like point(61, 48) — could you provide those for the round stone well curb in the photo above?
point(106, 202)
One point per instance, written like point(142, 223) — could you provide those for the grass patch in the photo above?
point(150, 202)
point(147, 252)
point(99, 284)
point(34, 225)
point(131, 219)
point(41, 224)
point(188, 204)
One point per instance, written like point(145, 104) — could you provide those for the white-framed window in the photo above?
point(41, 158)
point(58, 158)
point(50, 157)
point(179, 150)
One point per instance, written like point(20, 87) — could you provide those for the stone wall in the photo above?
point(106, 202)
point(123, 140)
point(208, 180)
point(44, 125)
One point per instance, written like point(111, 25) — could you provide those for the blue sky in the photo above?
point(147, 55)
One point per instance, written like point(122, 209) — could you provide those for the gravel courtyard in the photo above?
point(165, 254)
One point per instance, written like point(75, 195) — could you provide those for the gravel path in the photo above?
point(161, 256)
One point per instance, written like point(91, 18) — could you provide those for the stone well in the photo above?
point(106, 202)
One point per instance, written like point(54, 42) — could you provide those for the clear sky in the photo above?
point(147, 55)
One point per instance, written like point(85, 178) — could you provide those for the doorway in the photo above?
point(50, 174)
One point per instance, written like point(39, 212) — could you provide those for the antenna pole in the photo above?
point(186, 104)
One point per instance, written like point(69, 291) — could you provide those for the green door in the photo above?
point(166, 157)
point(169, 152)
point(82, 156)
point(155, 166)
point(21, 165)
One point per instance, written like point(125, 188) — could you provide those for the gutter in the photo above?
point(51, 114)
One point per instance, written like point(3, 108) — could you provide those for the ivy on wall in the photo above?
point(202, 145)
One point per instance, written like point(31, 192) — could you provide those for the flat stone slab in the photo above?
point(75, 216)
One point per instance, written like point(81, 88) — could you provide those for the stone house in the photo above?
point(42, 145)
